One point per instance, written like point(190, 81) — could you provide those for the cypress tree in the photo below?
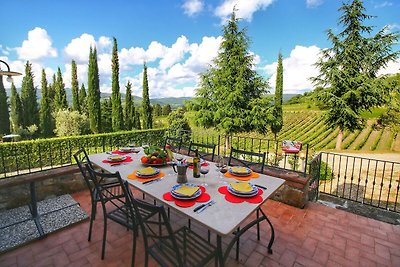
point(147, 113)
point(166, 109)
point(4, 115)
point(74, 87)
point(15, 110)
point(83, 100)
point(129, 108)
point(117, 115)
point(30, 114)
point(60, 94)
point(52, 90)
point(277, 122)
point(106, 110)
point(46, 120)
point(93, 97)
point(136, 122)
point(157, 110)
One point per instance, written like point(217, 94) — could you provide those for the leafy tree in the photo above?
point(147, 112)
point(129, 108)
point(15, 110)
point(93, 98)
point(46, 120)
point(231, 87)
point(391, 117)
point(4, 115)
point(117, 115)
point(75, 87)
point(277, 122)
point(83, 100)
point(60, 94)
point(178, 123)
point(52, 90)
point(30, 114)
point(348, 69)
point(157, 110)
point(106, 111)
point(69, 123)
point(166, 110)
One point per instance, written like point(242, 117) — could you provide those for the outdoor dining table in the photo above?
point(223, 218)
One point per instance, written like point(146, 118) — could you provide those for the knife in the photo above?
point(261, 186)
point(152, 181)
point(201, 206)
point(208, 204)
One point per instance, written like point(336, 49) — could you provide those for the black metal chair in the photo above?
point(182, 247)
point(113, 203)
point(203, 150)
point(256, 162)
point(249, 159)
point(174, 142)
point(81, 159)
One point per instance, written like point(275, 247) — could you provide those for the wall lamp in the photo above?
point(8, 73)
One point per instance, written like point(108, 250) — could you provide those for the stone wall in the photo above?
point(47, 183)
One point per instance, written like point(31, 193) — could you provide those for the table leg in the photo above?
point(220, 254)
point(33, 208)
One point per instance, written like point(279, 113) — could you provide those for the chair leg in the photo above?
point(103, 248)
point(237, 245)
point(258, 225)
point(134, 248)
point(91, 225)
point(271, 240)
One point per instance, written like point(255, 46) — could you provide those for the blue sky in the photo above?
point(177, 38)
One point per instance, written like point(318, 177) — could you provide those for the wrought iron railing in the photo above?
point(369, 181)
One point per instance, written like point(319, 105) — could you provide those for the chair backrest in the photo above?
point(174, 142)
point(82, 158)
point(252, 160)
point(206, 151)
point(155, 227)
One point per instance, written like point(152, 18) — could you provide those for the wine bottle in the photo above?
point(196, 165)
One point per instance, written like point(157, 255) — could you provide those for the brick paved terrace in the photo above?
point(314, 236)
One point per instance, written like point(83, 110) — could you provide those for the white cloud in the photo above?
point(192, 7)
point(37, 47)
point(175, 53)
point(314, 3)
point(383, 4)
point(297, 69)
point(391, 68)
point(246, 8)
point(78, 49)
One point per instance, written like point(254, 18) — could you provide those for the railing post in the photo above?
point(306, 164)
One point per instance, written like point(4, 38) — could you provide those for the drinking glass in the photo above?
point(221, 164)
point(204, 170)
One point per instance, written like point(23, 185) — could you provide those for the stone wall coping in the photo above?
point(37, 176)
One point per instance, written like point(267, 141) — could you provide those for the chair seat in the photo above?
point(191, 245)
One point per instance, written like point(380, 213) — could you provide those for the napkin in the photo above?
point(241, 187)
point(147, 171)
point(187, 190)
point(241, 170)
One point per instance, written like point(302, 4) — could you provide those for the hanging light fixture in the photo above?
point(8, 73)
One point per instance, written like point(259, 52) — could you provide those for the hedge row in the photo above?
point(39, 154)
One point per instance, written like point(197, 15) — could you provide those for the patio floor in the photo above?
point(314, 236)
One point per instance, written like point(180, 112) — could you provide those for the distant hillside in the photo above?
point(175, 102)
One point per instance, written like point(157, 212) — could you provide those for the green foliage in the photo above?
point(30, 110)
point(348, 69)
point(178, 122)
point(75, 87)
point(4, 115)
point(46, 119)
point(391, 117)
point(157, 110)
point(70, 123)
point(227, 90)
point(277, 121)
point(117, 113)
point(60, 99)
point(93, 98)
point(106, 111)
point(136, 121)
point(166, 110)
point(15, 109)
point(326, 172)
point(129, 108)
point(37, 154)
point(147, 113)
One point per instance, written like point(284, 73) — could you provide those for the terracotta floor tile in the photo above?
point(314, 236)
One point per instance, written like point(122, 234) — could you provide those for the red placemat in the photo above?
point(242, 178)
point(203, 164)
point(128, 159)
point(141, 179)
point(120, 152)
point(235, 199)
point(204, 197)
